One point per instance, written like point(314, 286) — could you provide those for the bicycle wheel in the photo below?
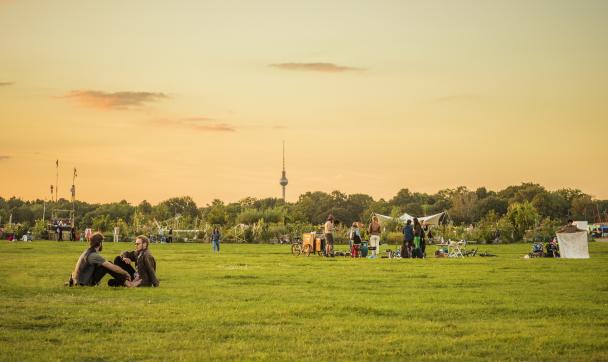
point(296, 249)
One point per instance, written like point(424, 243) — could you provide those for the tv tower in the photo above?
point(284, 181)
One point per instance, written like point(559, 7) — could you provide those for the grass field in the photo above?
point(259, 302)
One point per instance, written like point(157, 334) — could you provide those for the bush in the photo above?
point(392, 237)
point(39, 231)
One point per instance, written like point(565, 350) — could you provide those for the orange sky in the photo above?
point(149, 99)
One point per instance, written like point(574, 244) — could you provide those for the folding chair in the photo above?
point(455, 249)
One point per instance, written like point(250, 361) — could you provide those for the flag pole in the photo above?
point(57, 181)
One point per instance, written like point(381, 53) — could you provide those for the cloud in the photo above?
point(316, 67)
point(198, 124)
point(6, 84)
point(5, 157)
point(116, 100)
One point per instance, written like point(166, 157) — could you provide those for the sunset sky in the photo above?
point(155, 99)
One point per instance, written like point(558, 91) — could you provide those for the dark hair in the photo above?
point(570, 221)
point(416, 222)
point(96, 240)
point(144, 240)
point(330, 217)
point(408, 221)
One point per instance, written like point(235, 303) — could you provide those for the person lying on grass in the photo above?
point(91, 267)
point(146, 265)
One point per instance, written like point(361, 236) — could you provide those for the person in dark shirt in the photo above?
point(417, 239)
point(144, 261)
point(408, 240)
point(215, 239)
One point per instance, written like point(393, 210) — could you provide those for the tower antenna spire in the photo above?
point(284, 180)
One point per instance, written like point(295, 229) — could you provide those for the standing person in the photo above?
point(374, 231)
point(328, 230)
point(408, 240)
point(417, 239)
point(145, 262)
point(423, 240)
point(215, 239)
point(429, 234)
point(170, 239)
point(355, 240)
point(88, 232)
point(59, 231)
point(92, 267)
point(570, 227)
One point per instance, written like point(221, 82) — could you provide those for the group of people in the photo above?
point(355, 238)
point(414, 239)
point(59, 226)
point(91, 266)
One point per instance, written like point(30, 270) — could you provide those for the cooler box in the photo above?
point(364, 249)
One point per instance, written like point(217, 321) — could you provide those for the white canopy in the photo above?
point(573, 245)
point(436, 219)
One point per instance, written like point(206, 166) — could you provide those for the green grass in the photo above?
point(259, 302)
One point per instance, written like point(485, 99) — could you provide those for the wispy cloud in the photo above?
point(116, 100)
point(5, 157)
point(6, 84)
point(198, 124)
point(316, 67)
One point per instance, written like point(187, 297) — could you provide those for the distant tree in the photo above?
point(489, 204)
point(522, 216)
point(145, 207)
point(582, 208)
point(180, 205)
point(216, 213)
point(551, 204)
point(463, 202)
point(481, 193)
point(524, 192)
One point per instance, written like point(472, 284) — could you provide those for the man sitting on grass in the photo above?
point(92, 267)
point(146, 265)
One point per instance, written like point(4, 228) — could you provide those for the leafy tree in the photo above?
point(216, 214)
point(522, 216)
point(524, 192)
point(144, 208)
point(463, 202)
point(582, 208)
point(551, 204)
point(102, 223)
point(181, 205)
point(489, 204)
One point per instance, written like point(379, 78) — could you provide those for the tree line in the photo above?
point(485, 215)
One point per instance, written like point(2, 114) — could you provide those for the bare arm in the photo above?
point(76, 271)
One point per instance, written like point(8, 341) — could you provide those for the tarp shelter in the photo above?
point(573, 245)
point(437, 219)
